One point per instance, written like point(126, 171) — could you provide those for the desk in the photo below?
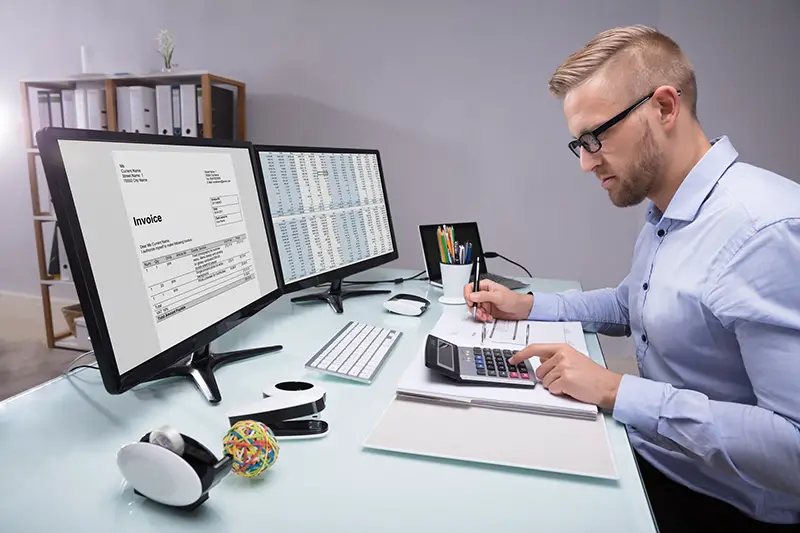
point(58, 445)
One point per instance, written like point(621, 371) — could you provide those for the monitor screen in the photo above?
point(328, 209)
point(174, 235)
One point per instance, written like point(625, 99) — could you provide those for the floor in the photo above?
point(25, 361)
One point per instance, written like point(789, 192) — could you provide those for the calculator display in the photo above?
point(447, 356)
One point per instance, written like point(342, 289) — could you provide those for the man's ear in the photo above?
point(668, 102)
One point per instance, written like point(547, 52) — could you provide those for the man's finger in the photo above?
point(556, 386)
point(551, 375)
point(467, 292)
point(487, 285)
point(546, 368)
point(483, 297)
point(542, 351)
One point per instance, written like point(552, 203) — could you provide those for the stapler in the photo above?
point(289, 408)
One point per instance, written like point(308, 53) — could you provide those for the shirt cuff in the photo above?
point(545, 307)
point(639, 402)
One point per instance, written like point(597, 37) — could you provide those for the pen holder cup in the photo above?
point(454, 278)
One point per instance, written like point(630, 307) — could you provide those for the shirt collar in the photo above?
point(698, 183)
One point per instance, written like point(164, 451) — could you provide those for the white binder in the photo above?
point(40, 115)
point(188, 111)
point(81, 109)
point(176, 110)
point(124, 122)
point(495, 436)
point(66, 274)
point(96, 108)
point(496, 425)
point(56, 118)
point(142, 109)
point(43, 106)
point(68, 108)
point(164, 109)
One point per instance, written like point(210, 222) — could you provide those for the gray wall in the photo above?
point(745, 54)
point(452, 92)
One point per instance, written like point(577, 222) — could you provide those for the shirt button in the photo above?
point(644, 337)
point(660, 233)
point(645, 286)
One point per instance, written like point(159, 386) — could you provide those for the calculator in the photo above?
point(476, 365)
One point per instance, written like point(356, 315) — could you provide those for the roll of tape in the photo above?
point(169, 438)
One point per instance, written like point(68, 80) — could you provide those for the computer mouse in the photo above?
point(407, 304)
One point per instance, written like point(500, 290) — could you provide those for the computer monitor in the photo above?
point(330, 217)
point(168, 246)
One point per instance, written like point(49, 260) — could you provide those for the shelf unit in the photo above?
point(204, 79)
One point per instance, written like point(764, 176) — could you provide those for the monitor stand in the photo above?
point(334, 295)
point(200, 365)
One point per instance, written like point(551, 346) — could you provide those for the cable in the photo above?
point(492, 255)
point(70, 368)
point(396, 281)
point(82, 366)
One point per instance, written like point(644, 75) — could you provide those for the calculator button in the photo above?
point(492, 372)
point(502, 374)
point(513, 375)
point(524, 376)
point(477, 350)
point(507, 353)
point(497, 351)
point(522, 369)
point(481, 372)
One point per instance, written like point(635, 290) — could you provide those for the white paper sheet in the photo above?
point(458, 327)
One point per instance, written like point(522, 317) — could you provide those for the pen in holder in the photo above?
point(454, 278)
point(451, 251)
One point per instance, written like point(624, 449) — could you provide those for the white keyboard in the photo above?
point(356, 352)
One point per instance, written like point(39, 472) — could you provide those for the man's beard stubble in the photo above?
point(637, 180)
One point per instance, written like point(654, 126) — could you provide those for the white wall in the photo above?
point(454, 94)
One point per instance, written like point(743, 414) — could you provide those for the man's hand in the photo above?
point(564, 370)
point(496, 301)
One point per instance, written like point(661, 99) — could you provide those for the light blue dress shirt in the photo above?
point(713, 303)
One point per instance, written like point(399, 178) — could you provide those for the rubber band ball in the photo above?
point(253, 447)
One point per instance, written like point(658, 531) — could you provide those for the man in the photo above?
point(712, 298)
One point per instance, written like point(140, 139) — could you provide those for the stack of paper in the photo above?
point(460, 328)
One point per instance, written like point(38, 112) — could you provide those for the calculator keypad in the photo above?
point(494, 363)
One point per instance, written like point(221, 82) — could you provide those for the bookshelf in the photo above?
point(41, 217)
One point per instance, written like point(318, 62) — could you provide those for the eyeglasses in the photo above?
point(590, 142)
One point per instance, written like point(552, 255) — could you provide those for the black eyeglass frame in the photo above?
point(590, 140)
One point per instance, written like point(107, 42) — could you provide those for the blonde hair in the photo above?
point(643, 57)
